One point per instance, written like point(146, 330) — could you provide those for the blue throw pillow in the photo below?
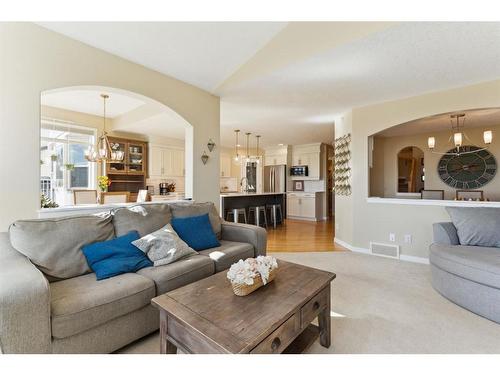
point(196, 231)
point(116, 256)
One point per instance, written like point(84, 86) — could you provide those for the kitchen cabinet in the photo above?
point(305, 206)
point(276, 155)
point(166, 162)
point(275, 159)
point(309, 155)
point(225, 165)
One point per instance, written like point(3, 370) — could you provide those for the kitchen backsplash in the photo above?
point(155, 182)
point(228, 184)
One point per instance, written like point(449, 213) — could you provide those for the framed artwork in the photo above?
point(298, 185)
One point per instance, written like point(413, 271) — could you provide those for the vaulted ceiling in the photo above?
point(288, 81)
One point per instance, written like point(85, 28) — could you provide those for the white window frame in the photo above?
point(47, 123)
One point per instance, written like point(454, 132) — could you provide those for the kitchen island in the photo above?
point(229, 201)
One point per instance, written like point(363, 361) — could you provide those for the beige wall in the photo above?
point(344, 204)
point(383, 175)
point(33, 59)
point(360, 221)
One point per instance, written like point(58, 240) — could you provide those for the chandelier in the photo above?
point(457, 122)
point(104, 152)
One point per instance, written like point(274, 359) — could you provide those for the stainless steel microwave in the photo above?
point(299, 170)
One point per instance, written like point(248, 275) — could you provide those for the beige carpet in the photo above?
point(381, 305)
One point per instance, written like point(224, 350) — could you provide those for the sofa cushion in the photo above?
point(163, 246)
point(174, 275)
point(196, 231)
point(475, 263)
point(54, 245)
point(197, 209)
point(477, 226)
point(116, 256)
point(144, 218)
point(81, 303)
point(228, 253)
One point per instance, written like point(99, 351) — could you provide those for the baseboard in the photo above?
point(403, 257)
point(413, 259)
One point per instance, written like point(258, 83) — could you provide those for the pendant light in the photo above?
point(458, 137)
point(236, 145)
point(104, 152)
point(248, 152)
point(258, 142)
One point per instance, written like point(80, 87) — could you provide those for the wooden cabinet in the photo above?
point(166, 162)
point(309, 155)
point(129, 174)
point(303, 206)
point(225, 165)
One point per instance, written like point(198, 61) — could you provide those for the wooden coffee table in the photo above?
point(206, 316)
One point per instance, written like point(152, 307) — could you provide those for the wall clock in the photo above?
point(467, 171)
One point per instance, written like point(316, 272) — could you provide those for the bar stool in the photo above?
point(235, 213)
point(257, 211)
point(273, 208)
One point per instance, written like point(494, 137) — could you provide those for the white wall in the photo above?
point(33, 59)
point(361, 222)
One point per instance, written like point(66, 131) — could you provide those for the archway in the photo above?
point(72, 120)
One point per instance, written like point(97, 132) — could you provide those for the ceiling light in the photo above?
point(280, 144)
point(104, 152)
point(457, 124)
point(488, 137)
point(236, 145)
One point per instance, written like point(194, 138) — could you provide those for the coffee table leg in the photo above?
point(324, 320)
point(166, 347)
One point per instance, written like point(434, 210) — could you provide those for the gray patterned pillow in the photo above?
point(163, 246)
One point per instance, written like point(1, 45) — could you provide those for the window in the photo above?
point(63, 166)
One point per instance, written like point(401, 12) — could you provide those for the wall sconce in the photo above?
point(210, 145)
point(204, 157)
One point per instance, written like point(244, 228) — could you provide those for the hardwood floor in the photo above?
point(302, 236)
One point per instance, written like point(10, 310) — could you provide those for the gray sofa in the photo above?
point(41, 313)
point(468, 275)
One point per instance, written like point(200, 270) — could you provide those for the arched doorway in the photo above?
point(157, 140)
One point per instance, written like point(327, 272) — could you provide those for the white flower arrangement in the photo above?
point(244, 271)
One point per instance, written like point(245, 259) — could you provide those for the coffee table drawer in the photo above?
point(277, 341)
point(312, 308)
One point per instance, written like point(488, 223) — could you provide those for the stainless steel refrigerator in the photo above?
point(275, 179)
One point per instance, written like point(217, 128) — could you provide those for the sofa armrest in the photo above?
point(252, 234)
point(24, 303)
point(445, 233)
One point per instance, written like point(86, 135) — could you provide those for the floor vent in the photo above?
point(384, 250)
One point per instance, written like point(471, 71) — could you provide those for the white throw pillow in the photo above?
point(163, 246)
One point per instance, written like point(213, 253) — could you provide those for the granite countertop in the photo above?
point(224, 195)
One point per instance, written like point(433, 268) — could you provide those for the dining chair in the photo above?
point(115, 197)
point(84, 197)
point(476, 195)
point(432, 194)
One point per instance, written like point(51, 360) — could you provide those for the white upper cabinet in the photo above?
point(225, 165)
point(166, 161)
point(276, 156)
point(309, 155)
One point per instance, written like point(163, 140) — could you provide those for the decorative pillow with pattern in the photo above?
point(163, 246)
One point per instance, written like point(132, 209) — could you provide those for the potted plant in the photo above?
point(69, 166)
